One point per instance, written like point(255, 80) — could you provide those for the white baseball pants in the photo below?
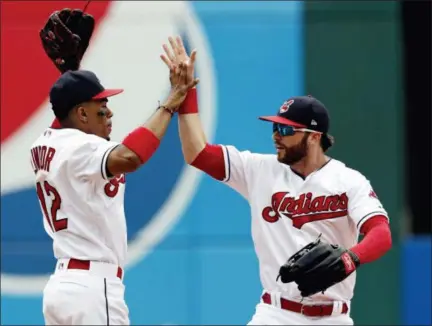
point(85, 297)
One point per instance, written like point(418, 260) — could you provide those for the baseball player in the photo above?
point(80, 184)
point(307, 209)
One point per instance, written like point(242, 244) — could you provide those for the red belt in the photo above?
point(307, 310)
point(85, 265)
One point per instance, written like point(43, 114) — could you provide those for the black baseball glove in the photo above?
point(318, 266)
point(66, 36)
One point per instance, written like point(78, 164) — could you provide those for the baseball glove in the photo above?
point(66, 36)
point(318, 266)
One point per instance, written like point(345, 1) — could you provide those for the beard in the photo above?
point(294, 153)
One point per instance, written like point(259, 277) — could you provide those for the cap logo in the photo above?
point(286, 106)
point(313, 123)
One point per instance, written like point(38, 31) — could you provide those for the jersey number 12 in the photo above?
point(49, 191)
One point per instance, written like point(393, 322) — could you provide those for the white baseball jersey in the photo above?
point(83, 208)
point(289, 211)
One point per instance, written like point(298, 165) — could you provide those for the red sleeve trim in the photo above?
point(211, 161)
point(377, 240)
point(190, 104)
point(142, 142)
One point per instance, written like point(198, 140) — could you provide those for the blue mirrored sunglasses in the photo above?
point(285, 130)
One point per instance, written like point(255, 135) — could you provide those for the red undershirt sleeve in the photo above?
point(211, 161)
point(377, 239)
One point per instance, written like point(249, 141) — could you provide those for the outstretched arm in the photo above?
point(192, 135)
point(141, 143)
point(196, 151)
point(65, 38)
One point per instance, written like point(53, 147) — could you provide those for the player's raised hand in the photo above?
point(180, 85)
point(175, 54)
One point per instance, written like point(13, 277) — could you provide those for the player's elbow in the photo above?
point(385, 245)
point(211, 161)
point(189, 156)
point(383, 232)
point(131, 162)
point(123, 160)
point(389, 240)
point(382, 237)
point(376, 242)
point(190, 153)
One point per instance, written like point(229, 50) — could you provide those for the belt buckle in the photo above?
point(301, 310)
point(321, 314)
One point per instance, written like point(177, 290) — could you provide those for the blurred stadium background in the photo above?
point(192, 260)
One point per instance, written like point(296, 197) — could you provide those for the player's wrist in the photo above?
point(167, 110)
point(350, 261)
point(355, 258)
point(190, 104)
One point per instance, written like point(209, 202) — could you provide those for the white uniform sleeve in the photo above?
point(363, 202)
point(238, 167)
point(89, 159)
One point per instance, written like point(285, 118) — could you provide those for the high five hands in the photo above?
point(181, 68)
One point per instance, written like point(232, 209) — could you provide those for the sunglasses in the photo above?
point(285, 130)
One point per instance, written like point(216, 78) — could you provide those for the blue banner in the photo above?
point(417, 283)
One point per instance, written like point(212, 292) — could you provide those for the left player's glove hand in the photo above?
point(318, 266)
point(66, 36)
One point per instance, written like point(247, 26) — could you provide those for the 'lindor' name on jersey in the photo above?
point(299, 210)
point(42, 157)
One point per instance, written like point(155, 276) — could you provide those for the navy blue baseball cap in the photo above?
point(74, 88)
point(302, 112)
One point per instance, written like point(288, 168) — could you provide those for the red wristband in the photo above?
point(142, 142)
point(190, 104)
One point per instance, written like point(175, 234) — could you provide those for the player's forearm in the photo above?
point(159, 122)
point(191, 135)
point(376, 242)
point(140, 145)
point(143, 142)
point(191, 132)
point(205, 157)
